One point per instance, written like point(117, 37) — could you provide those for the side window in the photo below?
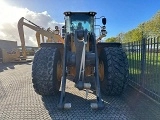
point(67, 22)
point(92, 23)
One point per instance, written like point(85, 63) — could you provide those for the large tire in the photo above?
point(44, 71)
point(115, 66)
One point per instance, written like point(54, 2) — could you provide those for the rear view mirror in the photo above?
point(104, 21)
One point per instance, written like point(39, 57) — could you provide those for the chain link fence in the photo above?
point(144, 63)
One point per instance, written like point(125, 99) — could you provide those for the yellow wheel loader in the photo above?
point(93, 64)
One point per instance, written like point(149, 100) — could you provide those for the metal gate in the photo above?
point(144, 63)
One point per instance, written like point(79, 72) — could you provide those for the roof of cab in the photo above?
point(68, 13)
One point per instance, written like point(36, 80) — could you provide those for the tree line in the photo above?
point(143, 30)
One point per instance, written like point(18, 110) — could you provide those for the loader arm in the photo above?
point(39, 31)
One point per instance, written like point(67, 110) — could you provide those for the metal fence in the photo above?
point(144, 63)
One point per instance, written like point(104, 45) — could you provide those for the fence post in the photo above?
point(143, 61)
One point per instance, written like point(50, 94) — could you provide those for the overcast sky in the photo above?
point(122, 15)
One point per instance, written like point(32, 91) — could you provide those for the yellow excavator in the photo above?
point(54, 36)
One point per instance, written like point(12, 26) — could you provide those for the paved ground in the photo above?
point(18, 101)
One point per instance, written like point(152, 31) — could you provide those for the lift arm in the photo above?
point(39, 31)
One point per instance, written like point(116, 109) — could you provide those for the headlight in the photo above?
point(104, 32)
point(56, 32)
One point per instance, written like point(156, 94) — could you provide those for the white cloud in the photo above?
point(9, 16)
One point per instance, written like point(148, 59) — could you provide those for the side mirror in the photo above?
point(104, 21)
point(63, 31)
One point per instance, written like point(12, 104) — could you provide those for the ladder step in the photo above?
point(87, 85)
point(67, 105)
point(97, 105)
point(94, 105)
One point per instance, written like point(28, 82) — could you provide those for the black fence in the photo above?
point(144, 63)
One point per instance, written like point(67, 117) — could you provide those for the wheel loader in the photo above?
point(93, 64)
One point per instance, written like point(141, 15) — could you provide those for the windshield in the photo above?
point(80, 22)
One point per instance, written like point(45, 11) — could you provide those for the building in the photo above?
point(8, 50)
point(8, 45)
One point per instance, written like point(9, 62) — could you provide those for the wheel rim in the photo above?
point(101, 70)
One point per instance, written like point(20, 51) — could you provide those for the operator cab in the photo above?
point(79, 21)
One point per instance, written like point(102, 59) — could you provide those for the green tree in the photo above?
point(112, 39)
point(149, 28)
